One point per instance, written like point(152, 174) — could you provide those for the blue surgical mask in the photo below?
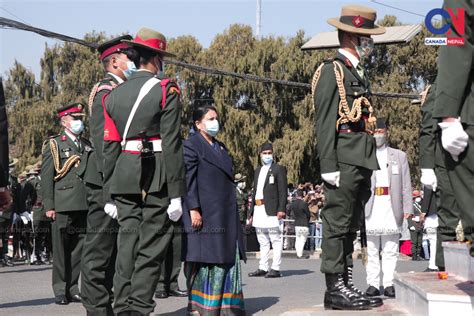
point(76, 126)
point(267, 159)
point(131, 68)
point(365, 47)
point(212, 127)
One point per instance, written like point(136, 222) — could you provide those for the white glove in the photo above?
point(332, 178)
point(428, 179)
point(175, 210)
point(453, 138)
point(25, 217)
point(111, 210)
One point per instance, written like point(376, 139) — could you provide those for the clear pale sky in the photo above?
point(202, 19)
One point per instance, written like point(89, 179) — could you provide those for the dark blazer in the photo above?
point(300, 211)
point(356, 149)
point(211, 188)
point(274, 195)
point(3, 139)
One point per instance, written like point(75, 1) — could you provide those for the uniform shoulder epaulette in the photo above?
point(328, 60)
point(52, 136)
point(168, 87)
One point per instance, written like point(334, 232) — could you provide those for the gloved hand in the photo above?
point(332, 178)
point(24, 217)
point(453, 138)
point(175, 210)
point(111, 210)
point(428, 179)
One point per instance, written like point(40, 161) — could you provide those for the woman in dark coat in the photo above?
point(213, 240)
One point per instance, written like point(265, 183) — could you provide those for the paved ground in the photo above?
point(26, 290)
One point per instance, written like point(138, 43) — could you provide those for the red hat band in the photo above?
point(152, 42)
point(72, 110)
point(113, 49)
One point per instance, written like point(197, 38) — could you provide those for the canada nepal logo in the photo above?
point(455, 20)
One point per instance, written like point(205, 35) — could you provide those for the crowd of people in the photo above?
point(123, 210)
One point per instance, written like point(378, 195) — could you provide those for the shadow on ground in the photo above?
point(37, 302)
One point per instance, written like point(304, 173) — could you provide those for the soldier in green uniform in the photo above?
point(435, 176)
point(144, 177)
point(42, 224)
point(100, 244)
point(241, 198)
point(346, 149)
point(454, 110)
point(64, 198)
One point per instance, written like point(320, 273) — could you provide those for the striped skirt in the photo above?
point(215, 289)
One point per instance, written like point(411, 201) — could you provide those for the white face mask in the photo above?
point(76, 126)
point(241, 185)
point(380, 140)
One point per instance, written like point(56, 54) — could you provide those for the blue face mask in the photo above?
point(76, 126)
point(212, 127)
point(131, 68)
point(267, 159)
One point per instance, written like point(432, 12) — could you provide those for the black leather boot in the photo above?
point(338, 296)
point(349, 282)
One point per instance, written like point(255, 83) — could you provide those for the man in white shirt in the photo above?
point(389, 204)
point(268, 209)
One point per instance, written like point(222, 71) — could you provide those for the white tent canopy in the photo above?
point(394, 35)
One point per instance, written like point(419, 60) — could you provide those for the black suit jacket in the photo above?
point(300, 210)
point(3, 139)
point(274, 194)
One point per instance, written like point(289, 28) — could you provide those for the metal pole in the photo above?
point(259, 19)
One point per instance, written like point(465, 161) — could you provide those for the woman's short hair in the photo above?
point(200, 111)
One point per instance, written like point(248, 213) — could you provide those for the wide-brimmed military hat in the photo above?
point(114, 45)
point(239, 177)
point(12, 162)
point(74, 109)
point(152, 40)
point(357, 19)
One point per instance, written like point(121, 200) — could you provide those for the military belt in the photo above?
point(382, 191)
point(135, 146)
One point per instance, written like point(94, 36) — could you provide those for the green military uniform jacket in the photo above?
point(122, 170)
point(39, 213)
point(454, 92)
point(430, 137)
point(69, 192)
point(95, 161)
point(28, 196)
point(356, 148)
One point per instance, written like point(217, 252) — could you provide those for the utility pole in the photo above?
point(259, 19)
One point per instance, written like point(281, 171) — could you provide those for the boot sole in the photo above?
point(355, 308)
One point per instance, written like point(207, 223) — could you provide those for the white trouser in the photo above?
point(431, 236)
point(265, 237)
point(301, 233)
point(389, 246)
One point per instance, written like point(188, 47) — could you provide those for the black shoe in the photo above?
point(430, 270)
point(37, 263)
point(7, 263)
point(61, 300)
point(304, 257)
point(76, 298)
point(161, 294)
point(389, 291)
point(372, 291)
point(178, 293)
point(338, 296)
point(258, 273)
point(349, 282)
point(273, 274)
